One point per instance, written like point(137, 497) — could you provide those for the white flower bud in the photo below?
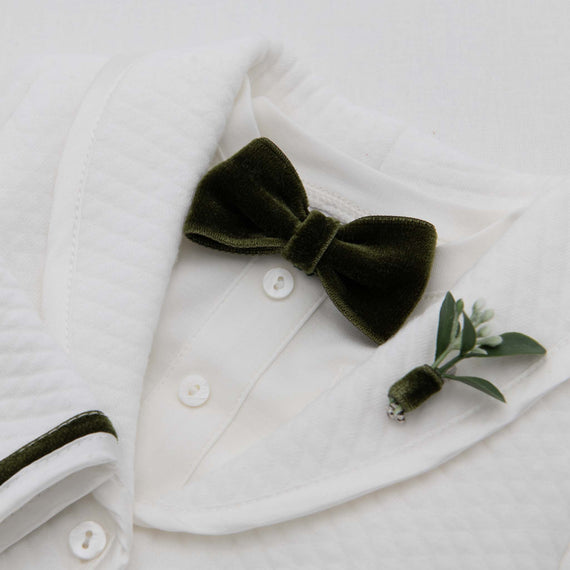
point(485, 330)
point(478, 305)
point(487, 315)
point(478, 350)
point(491, 341)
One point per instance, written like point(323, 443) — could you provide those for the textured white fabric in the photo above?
point(38, 391)
point(497, 506)
point(295, 421)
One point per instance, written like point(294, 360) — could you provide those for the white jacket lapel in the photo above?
point(56, 444)
point(343, 445)
point(144, 133)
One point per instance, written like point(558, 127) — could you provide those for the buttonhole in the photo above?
point(88, 535)
point(193, 389)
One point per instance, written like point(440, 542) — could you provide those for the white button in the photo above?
point(194, 390)
point(87, 540)
point(278, 283)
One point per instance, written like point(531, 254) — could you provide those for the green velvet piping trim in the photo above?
point(66, 432)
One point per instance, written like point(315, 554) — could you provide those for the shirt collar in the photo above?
point(470, 204)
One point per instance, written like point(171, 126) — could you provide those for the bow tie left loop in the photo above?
point(310, 241)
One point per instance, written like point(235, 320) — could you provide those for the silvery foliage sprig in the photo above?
point(459, 337)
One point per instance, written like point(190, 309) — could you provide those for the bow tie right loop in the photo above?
point(310, 241)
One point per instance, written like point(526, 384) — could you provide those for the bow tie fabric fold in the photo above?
point(374, 269)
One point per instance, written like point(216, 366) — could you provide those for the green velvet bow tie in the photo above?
point(374, 269)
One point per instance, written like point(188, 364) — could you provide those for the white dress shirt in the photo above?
point(250, 413)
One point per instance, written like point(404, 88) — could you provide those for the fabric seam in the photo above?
point(230, 416)
point(72, 265)
point(73, 428)
point(187, 345)
point(95, 436)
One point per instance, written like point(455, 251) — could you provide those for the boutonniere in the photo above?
point(458, 337)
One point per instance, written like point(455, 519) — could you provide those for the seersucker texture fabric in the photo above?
point(292, 462)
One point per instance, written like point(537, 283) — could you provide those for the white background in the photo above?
point(489, 77)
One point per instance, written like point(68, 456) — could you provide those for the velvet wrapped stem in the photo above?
point(415, 387)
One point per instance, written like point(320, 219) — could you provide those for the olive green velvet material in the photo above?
point(374, 269)
point(70, 430)
point(415, 387)
point(310, 241)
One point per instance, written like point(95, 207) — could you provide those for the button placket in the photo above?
point(233, 348)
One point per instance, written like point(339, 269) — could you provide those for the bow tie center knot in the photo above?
point(310, 241)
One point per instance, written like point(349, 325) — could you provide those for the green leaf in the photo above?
point(445, 327)
point(515, 343)
point(469, 336)
point(480, 384)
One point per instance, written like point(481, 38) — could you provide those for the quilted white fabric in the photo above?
point(123, 143)
point(500, 505)
point(38, 103)
point(38, 391)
